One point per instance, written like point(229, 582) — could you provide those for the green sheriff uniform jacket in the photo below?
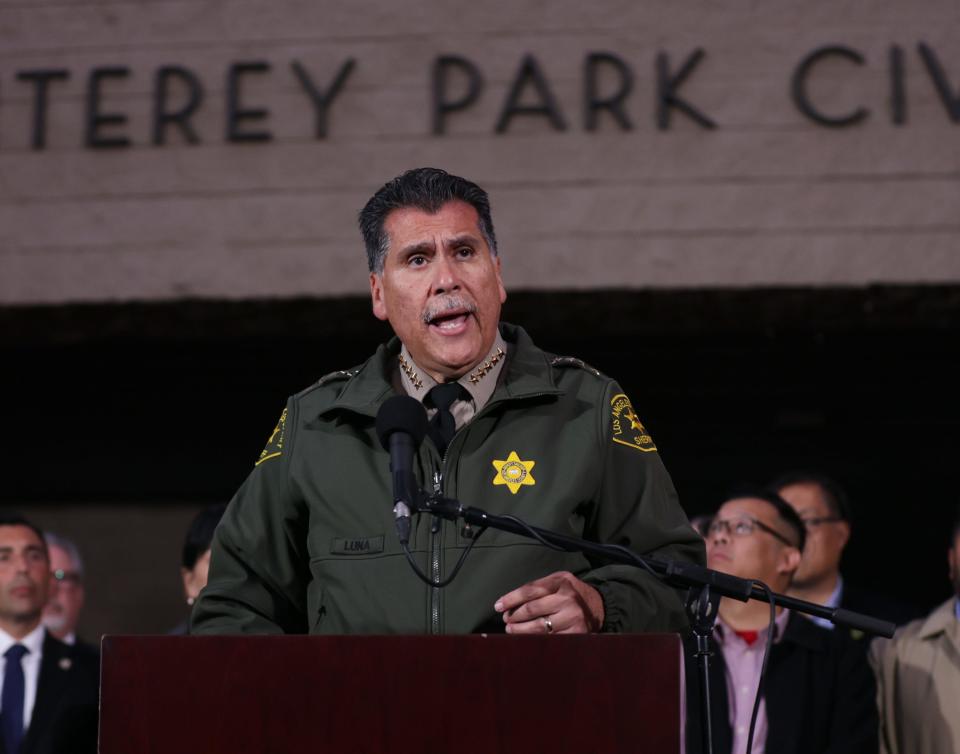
point(308, 544)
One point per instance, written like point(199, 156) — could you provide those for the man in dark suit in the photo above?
point(819, 694)
point(62, 612)
point(48, 689)
point(825, 510)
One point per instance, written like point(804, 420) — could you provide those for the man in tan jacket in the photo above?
point(918, 677)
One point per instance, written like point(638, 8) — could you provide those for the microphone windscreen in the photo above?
point(401, 413)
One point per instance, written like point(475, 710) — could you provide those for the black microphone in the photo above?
point(401, 427)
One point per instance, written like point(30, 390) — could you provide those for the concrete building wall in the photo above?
point(767, 197)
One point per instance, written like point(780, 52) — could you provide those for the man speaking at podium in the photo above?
point(308, 544)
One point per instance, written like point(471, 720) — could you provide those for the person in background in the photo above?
point(819, 692)
point(49, 690)
point(825, 510)
point(62, 612)
point(918, 675)
point(195, 560)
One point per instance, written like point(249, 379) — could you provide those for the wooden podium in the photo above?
point(390, 694)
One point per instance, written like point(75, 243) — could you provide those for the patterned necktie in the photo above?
point(443, 426)
point(11, 699)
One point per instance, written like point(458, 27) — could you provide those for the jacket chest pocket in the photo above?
point(530, 491)
point(357, 545)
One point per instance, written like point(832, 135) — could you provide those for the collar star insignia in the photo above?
point(410, 372)
point(481, 371)
point(513, 472)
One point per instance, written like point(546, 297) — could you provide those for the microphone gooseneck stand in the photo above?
point(703, 608)
point(401, 424)
point(705, 585)
point(674, 572)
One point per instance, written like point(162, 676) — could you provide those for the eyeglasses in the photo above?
point(67, 578)
point(744, 527)
point(813, 523)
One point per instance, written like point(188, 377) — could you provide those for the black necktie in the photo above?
point(11, 699)
point(443, 426)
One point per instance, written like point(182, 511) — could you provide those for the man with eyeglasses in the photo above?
point(62, 612)
point(48, 689)
point(819, 693)
point(824, 508)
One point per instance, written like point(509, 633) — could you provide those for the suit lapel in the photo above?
point(788, 684)
point(51, 685)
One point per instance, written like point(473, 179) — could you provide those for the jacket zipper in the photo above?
point(436, 526)
point(435, 529)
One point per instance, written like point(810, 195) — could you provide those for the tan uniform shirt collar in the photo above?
point(479, 382)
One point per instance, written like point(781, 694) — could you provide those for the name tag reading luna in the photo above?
point(357, 546)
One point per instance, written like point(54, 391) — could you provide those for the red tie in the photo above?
point(748, 636)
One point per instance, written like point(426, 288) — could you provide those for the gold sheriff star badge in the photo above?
point(513, 472)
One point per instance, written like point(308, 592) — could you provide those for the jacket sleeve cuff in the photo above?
point(613, 615)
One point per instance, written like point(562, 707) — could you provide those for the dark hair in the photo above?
point(955, 533)
point(833, 494)
point(12, 518)
point(200, 534)
point(426, 189)
point(784, 510)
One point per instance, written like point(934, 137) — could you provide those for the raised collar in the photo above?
point(944, 618)
point(528, 370)
point(527, 373)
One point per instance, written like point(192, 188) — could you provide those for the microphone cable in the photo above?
point(639, 561)
point(456, 569)
point(766, 657)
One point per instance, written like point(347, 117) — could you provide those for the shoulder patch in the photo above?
point(570, 362)
point(626, 426)
point(274, 447)
point(343, 374)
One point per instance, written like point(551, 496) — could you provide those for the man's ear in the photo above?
point(189, 586)
point(192, 585)
point(503, 291)
point(376, 297)
point(53, 588)
point(789, 560)
point(844, 528)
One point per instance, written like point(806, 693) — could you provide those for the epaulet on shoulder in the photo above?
point(343, 374)
point(571, 362)
point(328, 379)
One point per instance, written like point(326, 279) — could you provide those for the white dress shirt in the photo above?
point(30, 664)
